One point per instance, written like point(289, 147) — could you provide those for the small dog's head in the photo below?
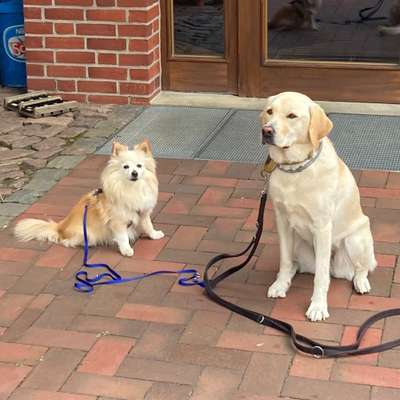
point(291, 118)
point(133, 164)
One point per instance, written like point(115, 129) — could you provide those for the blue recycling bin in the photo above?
point(12, 44)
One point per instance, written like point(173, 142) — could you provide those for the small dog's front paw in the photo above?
point(126, 251)
point(361, 284)
point(157, 235)
point(277, 289)
point(317, 311)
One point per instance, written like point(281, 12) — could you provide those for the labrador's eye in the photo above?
point(126, 166)
point(139, 165)
point(292, 116)
point(269, 111)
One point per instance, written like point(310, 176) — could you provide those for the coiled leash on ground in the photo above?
point(306, 345)
point(110, 277)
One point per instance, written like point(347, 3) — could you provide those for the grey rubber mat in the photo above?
point(363, 141)
point(367, 141)
point(174, 132)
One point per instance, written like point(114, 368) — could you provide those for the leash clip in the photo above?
point(261, 319)
point(315, 351)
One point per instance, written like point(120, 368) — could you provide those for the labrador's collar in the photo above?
point(302, 165)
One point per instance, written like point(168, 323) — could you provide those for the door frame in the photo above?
point(200, 73)
point(246, 73)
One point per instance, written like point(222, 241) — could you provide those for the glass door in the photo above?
point(199, 39)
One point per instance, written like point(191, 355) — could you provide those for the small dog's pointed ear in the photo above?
point(320, 124)
point(117, 148)
point(144, 146)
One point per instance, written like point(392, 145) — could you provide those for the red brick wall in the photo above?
point(100, 51)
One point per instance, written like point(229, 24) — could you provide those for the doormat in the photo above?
point(362, 141)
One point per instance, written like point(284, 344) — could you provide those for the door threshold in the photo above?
point(216, 100)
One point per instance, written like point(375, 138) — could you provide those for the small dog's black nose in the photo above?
point(134, 174)
point(268, 134)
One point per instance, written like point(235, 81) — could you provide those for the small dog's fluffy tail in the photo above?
point(29, 229)
point(389, 30)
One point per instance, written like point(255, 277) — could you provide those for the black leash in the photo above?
point(300, 342)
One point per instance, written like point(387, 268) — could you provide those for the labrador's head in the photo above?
point(291, 119)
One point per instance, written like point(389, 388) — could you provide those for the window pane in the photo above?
point(331, 30)
point(199, 27)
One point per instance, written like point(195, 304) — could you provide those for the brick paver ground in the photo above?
point(156, 340)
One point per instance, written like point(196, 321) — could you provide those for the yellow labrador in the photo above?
point(321, 226)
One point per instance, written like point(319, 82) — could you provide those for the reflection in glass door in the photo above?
point(198, 28)
point(330, 30)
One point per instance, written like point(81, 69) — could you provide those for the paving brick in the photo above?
point(34, 394)
point(204, 328)
point(41, 301)
point(11, 377)
point(158, 341)
point(152, 290)
point(169, 391)
point(215, 196)
point(107, 301)
point(210, 181)
point(189, 167)
point(191, 220)
point(20, 353)
point(185, 256)
point(390, 358)
point(385, 231)
point(215, 168)
point(113, 326)
point(211, 356)
point(180, 204)
point(254, 379)
point(379, 393)
point(306, 367)
point(21, 324)
point(106, 355)
point(99, 385)
point(254, 343)
point(217, 384)
point(149, 249)
point(56, 256)
point(220, 211)
point(33, 281)
point(373, 303)
point(186, 238)
point(17, 254)
point(12, 306)
point(381, 282)
point(376, 179)
point(61, 312)
point(366, 375)
point(385, 260)
point(165, 315)
point(54, 370)
point(161, 371)
point(58, 338)
point(393, 181)
point(224, 229)
point(305, 389)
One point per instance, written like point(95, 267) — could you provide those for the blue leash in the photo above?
point(111, 277)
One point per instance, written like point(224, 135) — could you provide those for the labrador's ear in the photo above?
point(144, 146)
point(320, 125)
point(117, 148)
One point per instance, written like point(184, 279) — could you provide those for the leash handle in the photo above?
point(300, 342)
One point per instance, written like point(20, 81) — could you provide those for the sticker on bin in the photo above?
point(14, 42)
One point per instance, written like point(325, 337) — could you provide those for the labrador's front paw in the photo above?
point(278, 289)
point(361, 284)
point(318, 311)
point(157, 235)
point(126, 251)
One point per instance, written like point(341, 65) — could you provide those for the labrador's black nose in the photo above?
point(268, 134)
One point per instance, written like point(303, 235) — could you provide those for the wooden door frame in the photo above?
point(196, 73)
point(334, 81)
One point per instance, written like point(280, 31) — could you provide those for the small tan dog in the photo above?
point(394, 20)
point(119, 212)
point(322, 229)
point(298, 14)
